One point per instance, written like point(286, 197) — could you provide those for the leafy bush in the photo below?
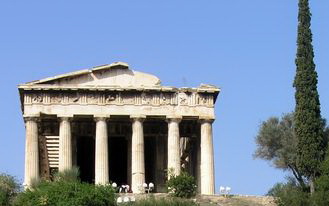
point(289, 194)
point(182, 185)
point(321, 195)
point(68, 175)
point(292, 194)
point(9, 188)
point(68, 194)
point(66, 190)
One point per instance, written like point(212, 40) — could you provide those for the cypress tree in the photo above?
point(309, 127)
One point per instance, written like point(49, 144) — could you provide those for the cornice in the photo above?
point(26, 87)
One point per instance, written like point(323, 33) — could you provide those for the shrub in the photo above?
point(68, 175)
point(9, 188)
point(321, 195)
point(66, 193)
point(182, 185)
point(289, 194)
point(66, 190)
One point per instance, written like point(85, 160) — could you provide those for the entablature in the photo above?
point(87, 97)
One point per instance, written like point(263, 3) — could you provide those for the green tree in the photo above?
point(321, 194)
point(308, 122)
point(277, 143)
point(9, 187)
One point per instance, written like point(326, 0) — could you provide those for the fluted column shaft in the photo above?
point(174, 162)
point(137, 156)
point(31, 152)
point(207, 158)
point(101, 152)
point(65, 144)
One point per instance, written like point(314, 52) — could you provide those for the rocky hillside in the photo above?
point(211, 200)
point(236, 200)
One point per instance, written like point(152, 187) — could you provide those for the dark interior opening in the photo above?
point(118, 160)
point(150, 158)
point(86, 158)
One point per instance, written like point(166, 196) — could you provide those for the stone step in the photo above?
point(53, 155)
point(55, 141)
point(53, 149)
point(53, 152)
point(52, 145)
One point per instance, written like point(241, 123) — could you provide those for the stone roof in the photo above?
point(116, 76)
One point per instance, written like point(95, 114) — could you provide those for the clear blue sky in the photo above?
point(245, 47)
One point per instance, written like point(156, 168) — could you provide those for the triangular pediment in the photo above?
point(115, 74)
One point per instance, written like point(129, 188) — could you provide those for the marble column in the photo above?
point(174, 162)
point(31, 152)
point(101, 152)
point(207, 158)
point(137, 155)
point(65, 144)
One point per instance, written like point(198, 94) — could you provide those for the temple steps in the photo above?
point(52, 144)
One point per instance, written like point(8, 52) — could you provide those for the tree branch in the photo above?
point(297, 175)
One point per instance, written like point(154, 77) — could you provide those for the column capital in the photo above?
point(65, 119)
point(103, 117)
point(176, 119)
point(31, 118)
point(140, 118)
point(206, 120)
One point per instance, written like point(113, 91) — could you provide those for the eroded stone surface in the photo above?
point(117, 74)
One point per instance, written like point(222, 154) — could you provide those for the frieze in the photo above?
point(182, 99)
point(111, 98)
point(165, 98)
point(128, 98)
point(37, 98)
point(56, 98)
point(146, 98)
point(121, 98)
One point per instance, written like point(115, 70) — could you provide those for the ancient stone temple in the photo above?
point(118, 125)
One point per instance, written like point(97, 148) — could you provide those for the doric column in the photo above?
point(137, 155)
point(101, 152)
point(65, 144)
point(31, 151)
point(174, 163)
point(207, 158)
